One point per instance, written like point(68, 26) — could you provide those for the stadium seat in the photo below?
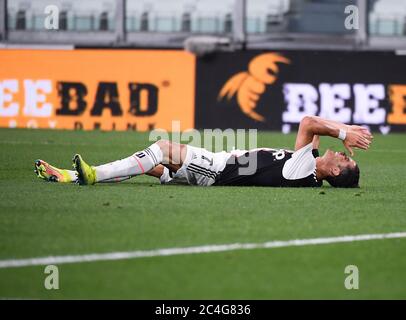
point(388, 18)
point(320, 16)
point(63, 20)
point(261, 14)
point(77, 15)
point(199, 16)
point(21, 20)
point(186, 25)
point(158, 15)
point(92, 15)
point(166, 16)
point(17, 15)
point(137, 15)
point(210, 16)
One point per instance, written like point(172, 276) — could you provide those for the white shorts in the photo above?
point(200, 167)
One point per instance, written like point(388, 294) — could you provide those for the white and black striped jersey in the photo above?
point(270, 167)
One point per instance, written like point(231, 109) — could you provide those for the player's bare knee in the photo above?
point(172, 152)
point(163, 144)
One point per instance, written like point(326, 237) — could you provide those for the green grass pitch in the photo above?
point(42, 219)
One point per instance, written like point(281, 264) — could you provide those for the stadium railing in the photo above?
point(252, 23)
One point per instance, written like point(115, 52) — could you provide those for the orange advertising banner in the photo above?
point(97, 89)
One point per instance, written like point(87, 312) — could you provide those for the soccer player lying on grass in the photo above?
point(173, 162)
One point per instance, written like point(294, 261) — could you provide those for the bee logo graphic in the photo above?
point(250, 85)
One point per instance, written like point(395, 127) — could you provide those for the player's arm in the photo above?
point(352, 136)
point(316, 142)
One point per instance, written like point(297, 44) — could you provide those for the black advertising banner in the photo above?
point(274, 90)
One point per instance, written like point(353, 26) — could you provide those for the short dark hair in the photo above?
point(348, 178)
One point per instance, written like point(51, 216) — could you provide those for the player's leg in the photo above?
point(159, 172)
point(142, 162)
point(50, 173)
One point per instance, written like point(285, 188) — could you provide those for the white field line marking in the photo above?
point(191, 250)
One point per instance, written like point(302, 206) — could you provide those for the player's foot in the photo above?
point(86, 173)
point(50, 173)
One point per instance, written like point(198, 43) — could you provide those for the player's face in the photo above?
point(338, 159)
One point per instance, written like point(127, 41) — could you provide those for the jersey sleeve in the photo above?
point(300, 165)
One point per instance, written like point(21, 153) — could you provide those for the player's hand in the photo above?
point(357, 137)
